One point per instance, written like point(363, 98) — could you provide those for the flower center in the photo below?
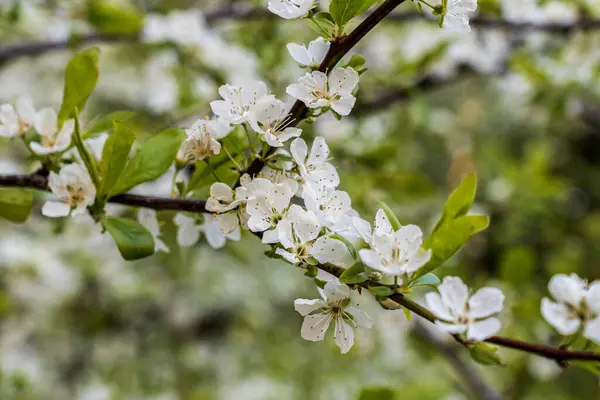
point(48, 141)
point(76, 195)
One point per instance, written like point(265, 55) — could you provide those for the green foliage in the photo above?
point(381, 393)
point(381, 290)
point(356, 61)
point(459, 202)
point(15, 204)
point(428, 279)
point(323, 24)
point(106, 123)
point(151, 160)
point(391, 216)
point(114, 156)
point(133, 240)
point(518, 266)
point(343, 11)
point(450, 237)
point(113, 17)
point(354, 274)
point(81, 76)
point(485, 354)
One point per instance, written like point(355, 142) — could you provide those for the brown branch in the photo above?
point(38, 181)
point(450, 352)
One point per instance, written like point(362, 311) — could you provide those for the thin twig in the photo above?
point(450, 352)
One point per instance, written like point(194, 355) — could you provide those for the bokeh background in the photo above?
point(516, 101)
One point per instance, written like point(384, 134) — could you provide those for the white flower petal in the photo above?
point(454, 294)
point(568, 289)
point(437, 307)
point(343, 335)
point(359, 317)
point(46, 122)
point(343, 105)
point(305, 306)
point(451, 328)
point(290, 257)
point(315, 326)
point(336, 293)
point(486, 302)
point(560, 317)
point(482, 330)
point(592, 330)
point(55, 209)
point(592, 297)
point(326, 250)
point(299, 53)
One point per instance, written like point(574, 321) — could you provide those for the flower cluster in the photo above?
point(456, 15)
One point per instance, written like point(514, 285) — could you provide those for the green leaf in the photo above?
point(591, 366)
point(377, 394)
point(354, 274)
point(390, 215)
point(460, 200)
point(133, 240)
point(428, 279)
point(485, 354)
point(88, 160)
point(381, 290)
point(343, 11)
point(348, 245)
point(81, 75)
point(323, 24)
point(109, 16)
point(407, 314)
point(114, 155)
point(106, 123)
point(320, 283)
point(448, 239)
point(356, 61)
point(151, 161)
point(15, 204)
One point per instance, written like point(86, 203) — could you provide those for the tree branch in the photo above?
point(475, 382)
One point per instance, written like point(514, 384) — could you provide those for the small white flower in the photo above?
point(202, 138)
point(15, 121)
point(577, 306)
point(237, 101)
point(228, 204)
point(458, 313)
point(53, 138)
point(269, 118)
point(147, 217)
point(269, 207)
point(395, 253)
point(290, 9)
point(335, 305)
point(188, 231)
point(74, 189)
point(314, 167)
point(317, 90)
point(311, 56)
point(296, 234)
point(328, 250)
point(330, 205)
point(456, 17)
point(214, 235)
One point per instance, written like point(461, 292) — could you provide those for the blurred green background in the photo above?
point(520, 107)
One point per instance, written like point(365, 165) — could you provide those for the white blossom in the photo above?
point(214, 235)
point(456, 16)
point(147, 217)
point(15, 121)
point(317, 90)
point(395, 253)
point(331, 206)
point(269, 118)
point(54, 138)
point(228, 204)
point(290, 9)
point(328, 250)
point(268, 207)
point(457, 312)
point(73, 188)
point(577, 306)
point(201, 141)
point(296, 233)
point(188, 231)
point(180, 27)
point(314, 166)
point(310, 56)
point(237, 101)
point(335, 305)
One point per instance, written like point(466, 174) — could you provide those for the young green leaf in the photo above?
point(114, 155)
point(323, 24)
point(390, 215)
point(320, 283)
point(15, 204)
point(448, 239)
point(106, 123)
point(343, 11)
point(133, 240)
point(381, 290)
point(81, 75)
point(114, 17)
point(151, 161)
point(377, 393)
point(356, 61)
point(460, 200)
point(354, 274)
point(428, 279)
point(485, 354)
point(348, 245)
